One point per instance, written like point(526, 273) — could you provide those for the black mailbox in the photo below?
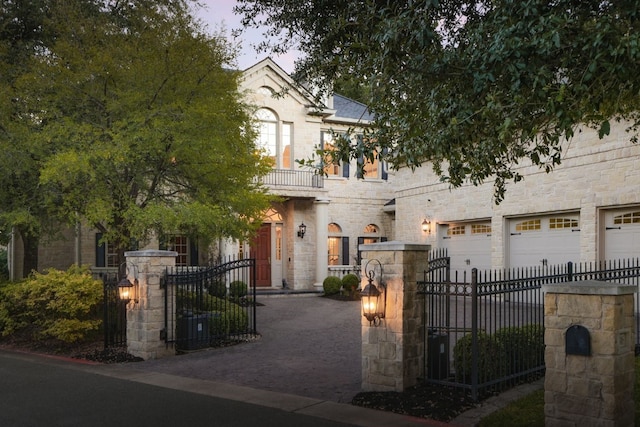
point(578, 341)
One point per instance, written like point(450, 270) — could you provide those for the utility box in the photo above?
point(192, 332)
point(437, 356)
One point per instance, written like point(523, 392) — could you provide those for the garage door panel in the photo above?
point(622, 234)
point(468, 246)
point(544, 241)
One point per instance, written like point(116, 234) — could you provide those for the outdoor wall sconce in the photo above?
point(302, 229)
point(426, 226)
point(373, 300)
point(128, 291)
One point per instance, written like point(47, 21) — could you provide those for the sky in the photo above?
point(218, 13)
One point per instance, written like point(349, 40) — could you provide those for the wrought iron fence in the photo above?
point(486, 331)
point(209, 306)
point(114, 311)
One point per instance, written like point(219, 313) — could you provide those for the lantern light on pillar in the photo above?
point(128, 291)
point(373, 299)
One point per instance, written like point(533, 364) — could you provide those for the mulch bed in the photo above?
point(424, 401)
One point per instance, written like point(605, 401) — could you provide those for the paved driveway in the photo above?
point(310, 346)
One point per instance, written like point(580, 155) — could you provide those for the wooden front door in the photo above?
point(261, 249)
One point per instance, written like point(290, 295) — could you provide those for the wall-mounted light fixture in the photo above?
point(128, 291)
point(302, 229)
point(426, 226)
point(374, 299)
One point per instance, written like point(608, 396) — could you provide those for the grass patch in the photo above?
point(529, 411)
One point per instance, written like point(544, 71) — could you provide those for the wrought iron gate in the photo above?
point(210, 306)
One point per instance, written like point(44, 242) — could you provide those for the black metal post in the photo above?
point(474, 334)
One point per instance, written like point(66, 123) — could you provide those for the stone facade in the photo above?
point(392, 352)
point(596, 176)
point(594, 389)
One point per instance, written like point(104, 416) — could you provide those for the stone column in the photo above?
point(392, 352)
point(145, 317)
point(590, 376)
point(322, 235)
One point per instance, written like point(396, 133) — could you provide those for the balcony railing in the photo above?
point(291, 178)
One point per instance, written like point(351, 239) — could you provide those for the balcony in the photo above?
point(290, 178)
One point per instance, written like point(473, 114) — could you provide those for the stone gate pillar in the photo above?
point(145, 315)
point(589, 355)
point(393, 352)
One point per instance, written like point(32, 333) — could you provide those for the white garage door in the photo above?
point(468, 245)
point(544, 240)
point(622, 234)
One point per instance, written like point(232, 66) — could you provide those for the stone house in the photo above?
point(338, 211)
point(587, 209)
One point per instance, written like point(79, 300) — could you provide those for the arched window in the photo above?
point(371, 235)
point(275, 137)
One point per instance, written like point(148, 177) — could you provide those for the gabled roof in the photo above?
point(340, 109)
point(350, 109)
point(304, 95)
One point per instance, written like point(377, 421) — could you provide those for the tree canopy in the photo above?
point(471, 87)
point(129, 119)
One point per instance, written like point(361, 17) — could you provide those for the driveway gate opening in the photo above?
point(210, 306)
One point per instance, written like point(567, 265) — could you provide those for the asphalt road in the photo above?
point(36, 391)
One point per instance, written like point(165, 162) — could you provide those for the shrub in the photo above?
point(331, 285)
point(489, 351)
point(218, 324)
point(232, 319)
point(238, 319)
point(508, 351)
point(238, 289)
point(523, 347)
point(218, 289)
point(350, 283)
point(57, 304)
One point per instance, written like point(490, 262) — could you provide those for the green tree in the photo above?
point(471, 87)
point(140, 125)
point(22, 207)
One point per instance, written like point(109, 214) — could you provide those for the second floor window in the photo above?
point(275, 138)
point(330, 168)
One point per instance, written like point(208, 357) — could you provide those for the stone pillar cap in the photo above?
point(590, 287)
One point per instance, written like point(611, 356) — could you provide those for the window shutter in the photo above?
point(193, 252)
point(101, 251)
point(360, 241)
point(383, 165)
point(345, 251)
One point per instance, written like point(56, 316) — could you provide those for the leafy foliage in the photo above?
point(57, 304)
point(136, 126)
point(474, 88)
